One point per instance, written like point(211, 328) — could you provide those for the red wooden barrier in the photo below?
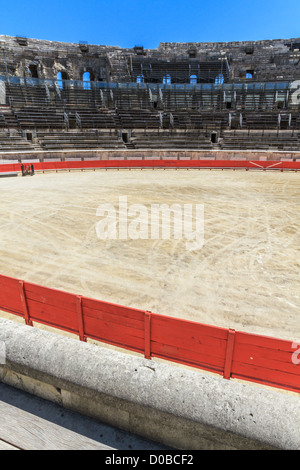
point(218, 164)
point(223, 351)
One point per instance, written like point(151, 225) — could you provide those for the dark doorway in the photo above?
point(214, 137)
point(125, 137)
point(33, 71)
point(280, 104)
point(72, 121)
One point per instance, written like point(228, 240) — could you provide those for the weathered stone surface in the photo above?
point(179, 96)
point(175, 405)
point(266, 60)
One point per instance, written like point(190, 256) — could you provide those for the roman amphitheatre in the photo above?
point(111, 122)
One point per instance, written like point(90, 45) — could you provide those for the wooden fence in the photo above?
point(230, 353)
point(139, 163)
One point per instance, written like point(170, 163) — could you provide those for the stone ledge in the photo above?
point(144, 154)
point(176, 406)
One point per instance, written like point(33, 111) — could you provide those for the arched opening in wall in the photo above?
point(193, 79)
point(219, 80)
point(140, 79)
point(249, 74)
point(87, 78)
point(167, 79)
point(33, 71)
point(61, 77)
point(59, 80)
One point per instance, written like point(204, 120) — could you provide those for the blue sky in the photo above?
point(147, 23)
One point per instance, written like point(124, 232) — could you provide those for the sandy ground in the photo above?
point(246, 275)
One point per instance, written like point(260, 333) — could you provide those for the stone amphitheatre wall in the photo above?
point(171, 154)
point(265, 60)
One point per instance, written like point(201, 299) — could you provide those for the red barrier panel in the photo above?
point(114, 324)
point(106, 164)
point(10, 299)
point(223, 351)
point(51, 307)
point(188, 342)
point(266, 360)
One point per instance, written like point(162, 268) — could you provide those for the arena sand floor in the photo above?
point(245, 276)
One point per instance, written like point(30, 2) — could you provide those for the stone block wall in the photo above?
point(2, 93)
point(269, 60)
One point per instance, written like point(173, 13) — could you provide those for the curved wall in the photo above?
point(269, 60)
point(97, 154)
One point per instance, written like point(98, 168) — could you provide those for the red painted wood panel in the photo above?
point(189, 358)
point(114, 324)
point(53, 297)
point(267, 376)
point(263, 351)
point(250, 357)
point(266, 360)
point(10, 299)
point(92, 307)
point(264, 357)
point(52, 307)
point(53, 316)
point(168, 164)
point(112, 333)
point(188, 341)
point(68, 165)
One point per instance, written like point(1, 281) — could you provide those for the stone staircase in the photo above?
point(118, 67)
point(15, 142)
point(8, 120)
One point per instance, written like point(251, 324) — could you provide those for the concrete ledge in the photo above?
point(176, 406)
point(146, 154)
